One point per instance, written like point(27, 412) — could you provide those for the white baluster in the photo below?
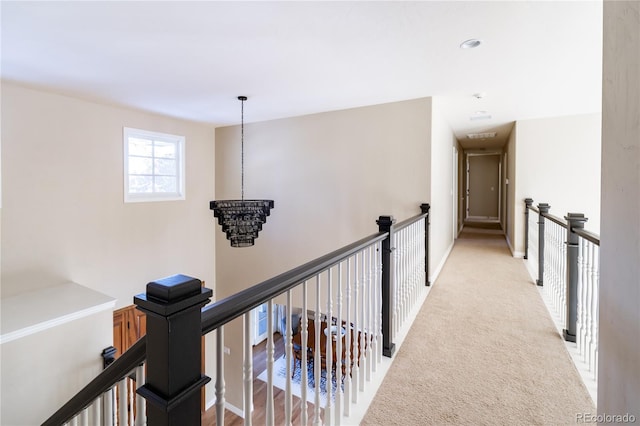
point(402, 245)
point(590, 304)
point(395, 290)
point(141, 403)
point(329, 348)
point(317, 356)
point(304, 366)
point(339, 345)
point(289, 352)
point(94, 412)
point(363, 303)
point(374, 307)
point(84, 417)
point(270, 414)
point(131, 397)
point(356, 329)
point(247, 364)
point(74, 421)
point(581, 287)
point(107, 408)
point(594, 311)
point(369, 310)
point(379, 308)
point(220, 385)
point(122, 402)
point(348, 344)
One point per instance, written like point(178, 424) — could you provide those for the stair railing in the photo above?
point(340, 311)
point(565, 259)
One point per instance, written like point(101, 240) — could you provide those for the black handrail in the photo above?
point(213, 316)
point(589, 236)
point(555, 219)
point(111, 375)
point(223, 311)
point(410, 221)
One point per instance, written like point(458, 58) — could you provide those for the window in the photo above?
point(153, 166)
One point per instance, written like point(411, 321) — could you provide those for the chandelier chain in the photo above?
point(242, 146)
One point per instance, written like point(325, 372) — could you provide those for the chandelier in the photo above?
point(241, 219)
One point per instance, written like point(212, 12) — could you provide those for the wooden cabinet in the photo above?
point(129, 325)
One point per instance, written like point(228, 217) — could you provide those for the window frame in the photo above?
point(179, 141)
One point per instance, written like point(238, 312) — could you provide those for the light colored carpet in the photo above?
point(482, 350)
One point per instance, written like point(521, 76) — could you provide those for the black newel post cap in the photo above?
point(172, 294)
point(528, 201)
point(577, 219)
point(385, 222)
point(425, 207)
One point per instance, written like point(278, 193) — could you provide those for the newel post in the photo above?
point(574, 221)
point(425, 209)
point(385, 224)
point(528, 202)
point(542, 208)
point(174, 380)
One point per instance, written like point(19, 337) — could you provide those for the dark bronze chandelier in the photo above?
point(241, 219)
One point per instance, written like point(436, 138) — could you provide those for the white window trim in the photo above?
point(180, 161)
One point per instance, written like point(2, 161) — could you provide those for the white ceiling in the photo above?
point(192, 59)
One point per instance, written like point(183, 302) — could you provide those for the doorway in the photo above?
point(484, 192)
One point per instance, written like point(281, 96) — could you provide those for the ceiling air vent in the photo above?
point(486, 135)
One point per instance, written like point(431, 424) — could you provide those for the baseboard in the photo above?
point(516, 254)
point(436, 273)
point(235, 410)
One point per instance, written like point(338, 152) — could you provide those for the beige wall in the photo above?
point(64, 218)
point(442, 192)
point(619, 332)
point(558, 162)
point(512, 201)
point(331, 175)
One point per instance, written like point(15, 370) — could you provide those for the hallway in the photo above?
point(483, 349)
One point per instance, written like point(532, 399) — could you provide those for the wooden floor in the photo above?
point(260, 393)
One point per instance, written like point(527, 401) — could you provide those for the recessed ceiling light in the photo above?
point(486, 135)
point(480, 115)
point(472, 43)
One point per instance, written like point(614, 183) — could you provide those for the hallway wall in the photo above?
point(558, 162)
point(442, 191)
point(509, 220)
point(331, 175)
point(619, 344)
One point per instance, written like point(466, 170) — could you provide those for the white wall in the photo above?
point(619, 344)
point(331, 175)
point(64, 218)
point(442, 192)
point(558, 162)
point(42, 371)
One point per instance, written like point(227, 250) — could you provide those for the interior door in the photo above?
point(483, 187)
point(259, 323)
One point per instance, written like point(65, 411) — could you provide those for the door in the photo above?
point(483, 187)
point(259, 323)
point(454, 193)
